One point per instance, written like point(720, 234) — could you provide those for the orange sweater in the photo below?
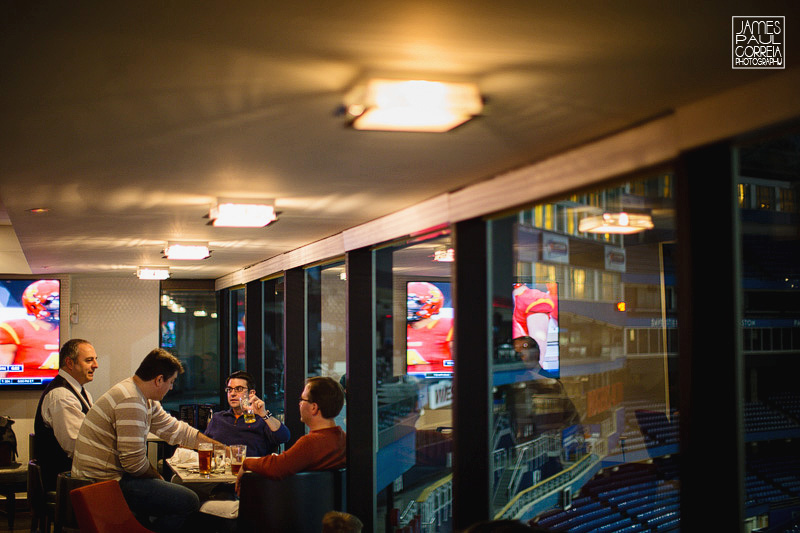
point(323, 449)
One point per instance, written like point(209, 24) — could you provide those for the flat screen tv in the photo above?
point(168, 334)
point(429, 329)
point(30, 316)
point(535, 327)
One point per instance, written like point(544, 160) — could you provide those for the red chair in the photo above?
point(101, 508)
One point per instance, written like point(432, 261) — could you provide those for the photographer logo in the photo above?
point(758, 42)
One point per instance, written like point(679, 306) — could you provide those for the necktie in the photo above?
point(85, 397)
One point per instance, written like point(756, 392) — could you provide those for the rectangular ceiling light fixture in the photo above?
point(618, 223)
point(186, 251)
point(412, 105)
point(242, 213)
point(444, 255)
point(152, 272)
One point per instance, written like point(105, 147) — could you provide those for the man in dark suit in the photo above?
point(61, 410)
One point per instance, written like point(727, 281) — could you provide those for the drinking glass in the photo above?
point(204, 451)
point(238, 453)
point(247, 409)
point(220, 452)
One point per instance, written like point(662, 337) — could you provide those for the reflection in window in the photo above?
point(190, 331)
point(414, 365)
point(770, 269)
point(326, 307)
point(238, 342)
point(583, 347)
point(273, 346)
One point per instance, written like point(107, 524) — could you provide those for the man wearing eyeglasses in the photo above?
point(323, 448)
point(263, 436)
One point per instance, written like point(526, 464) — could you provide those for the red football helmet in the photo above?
point(424, 300)
point(41, 299)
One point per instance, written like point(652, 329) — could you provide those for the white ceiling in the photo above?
point(127, 119)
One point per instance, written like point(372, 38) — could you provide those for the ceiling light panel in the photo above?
point(152, 273)
point(412, 105)
point(242, 214)
point(186, 251)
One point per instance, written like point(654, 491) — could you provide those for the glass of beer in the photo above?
point(204, 452)
point(238, 453)
point(247, 410)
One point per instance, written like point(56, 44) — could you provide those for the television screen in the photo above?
point(535, 326)
point(29, 331)
point(168, 334)
point(429, 329)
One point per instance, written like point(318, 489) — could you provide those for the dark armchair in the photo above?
point(294, 504)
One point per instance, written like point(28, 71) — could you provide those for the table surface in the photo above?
point(191, 475)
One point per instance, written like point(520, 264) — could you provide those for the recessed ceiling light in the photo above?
point(152, 272)
point(186, 251)
point(412, 105)
point(242, 213)
point(39, 210)
point(444, 255)
point(619, 223)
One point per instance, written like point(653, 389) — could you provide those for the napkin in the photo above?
point(183, 458)
point(223, 508)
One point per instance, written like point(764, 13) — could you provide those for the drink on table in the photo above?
point(238, 453)
point(204, 453)
point(219, 457)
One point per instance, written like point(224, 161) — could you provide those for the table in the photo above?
point(191, 475)
point(206, 487)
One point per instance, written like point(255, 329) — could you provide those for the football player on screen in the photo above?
point(428, 336)
point(536, 315)
point(33, 343)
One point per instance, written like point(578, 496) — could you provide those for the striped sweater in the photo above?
point(112, 440)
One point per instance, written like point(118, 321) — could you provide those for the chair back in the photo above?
point(295, 504)
point(35, 488)
point(65, 521)
point(101, 508)
point(32, 446)
point(38, 499)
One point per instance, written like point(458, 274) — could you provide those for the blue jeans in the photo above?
point(160, 505)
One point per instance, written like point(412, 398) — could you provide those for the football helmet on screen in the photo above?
point(41, 299)
point(424, 300)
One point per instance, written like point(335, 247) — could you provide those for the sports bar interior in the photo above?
point(611, 158)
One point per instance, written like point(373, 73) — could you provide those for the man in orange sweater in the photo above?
point(323, 448)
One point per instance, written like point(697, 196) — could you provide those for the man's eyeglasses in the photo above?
point(304, 400)
point(239, 389)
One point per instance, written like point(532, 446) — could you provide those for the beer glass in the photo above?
point(204, 452)
point(238, 453)
point(247, 410)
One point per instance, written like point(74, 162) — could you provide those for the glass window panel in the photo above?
point(414, 364)
point(744, 195)
point(583, 392)
point(788, 202)
point(327, 316)
point(326, 311)
point(273, 347)
point(770, 267)
point(765, 196)
point(190, 331)
point(237, 313)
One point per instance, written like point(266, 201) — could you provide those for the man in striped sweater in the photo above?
point(112, 443)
